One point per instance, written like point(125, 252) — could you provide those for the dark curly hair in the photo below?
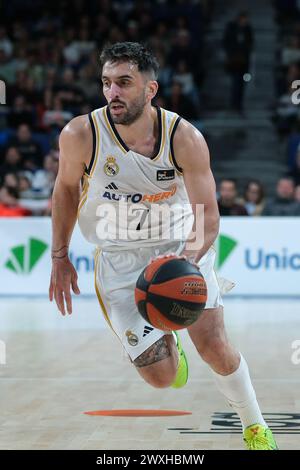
point(133, 52)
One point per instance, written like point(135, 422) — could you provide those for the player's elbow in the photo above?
point(214, 223)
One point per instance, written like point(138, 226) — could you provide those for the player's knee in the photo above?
point(160, 374)
point(160, 380)
point(158, 364)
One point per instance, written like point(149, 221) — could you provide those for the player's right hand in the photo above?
point(63, 276)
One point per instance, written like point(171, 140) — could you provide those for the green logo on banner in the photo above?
point(23, 258)
point(226, 245)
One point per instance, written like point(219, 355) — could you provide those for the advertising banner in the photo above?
point(261, 255)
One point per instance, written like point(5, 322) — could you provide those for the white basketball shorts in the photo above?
point(116, 273)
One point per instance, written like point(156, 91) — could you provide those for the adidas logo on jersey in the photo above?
point(147, 330)
point(111, 186)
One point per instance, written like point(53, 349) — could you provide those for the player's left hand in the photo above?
point(168, 255)
point(187, 255)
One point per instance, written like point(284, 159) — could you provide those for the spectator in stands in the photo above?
point(5, 43)
point(7, 70)
point(56, 117)
point(295, 172)
point(160, 40)
point(24, 86)
point(70, 95)
point(27, 146)
point(9, 205)
point(182, 49)
point(42, 180)
point(83, 45)
point(11, 180)
point(25, 189)
point(12, 162)
point(21, 112)
point(283, 204)
point(23, 58)
point(238, 45)
point(297, 194)
point(184, 76)
point(181, 104)
point(133, 31)
point(227, 200)
point(89, 85)
point(164, 73)
point(254, 198)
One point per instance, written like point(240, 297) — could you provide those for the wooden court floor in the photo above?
point(51, 377)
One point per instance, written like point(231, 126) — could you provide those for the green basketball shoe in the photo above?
point(183, 369)
point(258, 437)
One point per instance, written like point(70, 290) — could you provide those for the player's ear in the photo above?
point(152, 87)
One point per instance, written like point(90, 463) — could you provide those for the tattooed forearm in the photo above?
point(59, 249)
point(156, 352)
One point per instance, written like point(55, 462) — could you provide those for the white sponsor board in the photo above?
point(25, 263)
point(261, 255)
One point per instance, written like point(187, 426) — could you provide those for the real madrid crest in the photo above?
point(131, 338)
point(111, 168)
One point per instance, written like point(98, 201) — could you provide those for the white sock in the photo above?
point(239, 392)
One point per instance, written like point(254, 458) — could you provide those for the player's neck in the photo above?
point(144, 129)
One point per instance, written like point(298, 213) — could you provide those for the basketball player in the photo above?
point(130, 152)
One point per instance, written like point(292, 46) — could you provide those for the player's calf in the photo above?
point(209, 337)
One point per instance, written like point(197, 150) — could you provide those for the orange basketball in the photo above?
point(170, 293)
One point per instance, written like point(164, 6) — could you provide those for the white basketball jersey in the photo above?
point(130, 200)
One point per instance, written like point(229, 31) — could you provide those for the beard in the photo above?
point(129, 113)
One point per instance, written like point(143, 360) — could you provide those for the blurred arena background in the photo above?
point(231, 68)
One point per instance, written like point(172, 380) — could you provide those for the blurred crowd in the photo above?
point(252, 201)
point(287, 74)
point(49, 60)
